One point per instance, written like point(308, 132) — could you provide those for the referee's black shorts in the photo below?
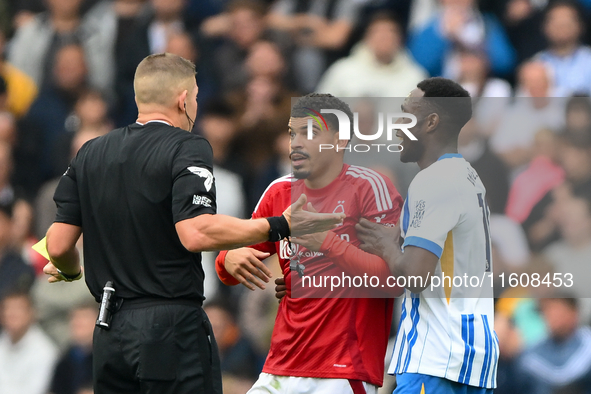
point(157, 349)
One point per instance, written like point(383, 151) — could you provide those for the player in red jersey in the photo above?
point(322, 345)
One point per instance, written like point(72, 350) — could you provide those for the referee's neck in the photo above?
point(144, 118)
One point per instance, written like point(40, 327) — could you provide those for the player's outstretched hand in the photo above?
point(303, 222)
point(246, 266)
point(377, 239)
point(280, 288)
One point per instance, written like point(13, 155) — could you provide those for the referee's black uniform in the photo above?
point(127, 190)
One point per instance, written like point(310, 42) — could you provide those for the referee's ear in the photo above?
point(182, 101)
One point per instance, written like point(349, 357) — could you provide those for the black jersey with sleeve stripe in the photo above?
point(127, 190)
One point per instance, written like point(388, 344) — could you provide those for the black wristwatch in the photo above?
point(70, 278)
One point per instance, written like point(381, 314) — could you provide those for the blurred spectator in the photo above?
point(534, 109)
point(490, 168)
point(564, 359)
point(523, 20)
point(568, 59)
point(3, 94)
point(575, 158)
point(266, 59)
point(379, 66)
point(54, 302)
point(20, 88)
point(509, 378)
point(91, 116)
point(236, 353)
point(149, 35)
point(277, 166)
point(44, 204)
point(48, 118)
point(74, 368)
point(231, 201)
point(184, 45)
point(572, 253)
point(319, 29)
point(257, 311)
point(35, 46)
point(7, 129)
point(474, 76)
point(218, 126)
point(241, 26)
point(421, 12)
point(530, 195)
point(459, 25)
point(262, 110)
point(27, 355)
point(578, 115)
point(14, 272)
point(490, 96)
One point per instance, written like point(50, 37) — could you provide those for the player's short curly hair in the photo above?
point(318, 101)
point(449, 100)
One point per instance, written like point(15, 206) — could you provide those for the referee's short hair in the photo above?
point(159, 78)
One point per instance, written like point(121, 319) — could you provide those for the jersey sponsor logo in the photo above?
point(203, 173)
point(379, 218)
point(419, 213)
point(201, 200)
point(285, 252)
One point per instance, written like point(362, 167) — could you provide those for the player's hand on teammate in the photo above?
point(246, 266)
point(378, 239)
point(303, 222)
point(280, 288)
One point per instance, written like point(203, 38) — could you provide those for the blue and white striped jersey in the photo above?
point(448, 331)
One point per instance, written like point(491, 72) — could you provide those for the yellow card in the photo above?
point(41, 248)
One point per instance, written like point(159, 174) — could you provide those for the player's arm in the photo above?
point(63, 234)
point(432, 211)
point(383, 242)
point(244, 265)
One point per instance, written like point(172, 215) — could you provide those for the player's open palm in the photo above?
point(307, 222)
point(376, 238)
point(246, 266)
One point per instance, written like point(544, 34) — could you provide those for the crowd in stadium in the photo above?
point(66, 76)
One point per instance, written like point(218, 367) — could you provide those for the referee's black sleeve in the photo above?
point(67, 199)
point(193, 188)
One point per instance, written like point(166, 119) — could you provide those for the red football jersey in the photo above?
point(338, 338)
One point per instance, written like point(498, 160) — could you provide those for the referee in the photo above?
point(144, 196)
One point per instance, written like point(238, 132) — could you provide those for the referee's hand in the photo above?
point(246, 266)
point(302, 222)
point(56, 276)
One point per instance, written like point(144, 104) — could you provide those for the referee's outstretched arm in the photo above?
point(221, 232)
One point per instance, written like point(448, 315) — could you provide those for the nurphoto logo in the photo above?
point(392, 123)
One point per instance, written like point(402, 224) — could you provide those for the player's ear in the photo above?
point(342, 144)
point(432, 122)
